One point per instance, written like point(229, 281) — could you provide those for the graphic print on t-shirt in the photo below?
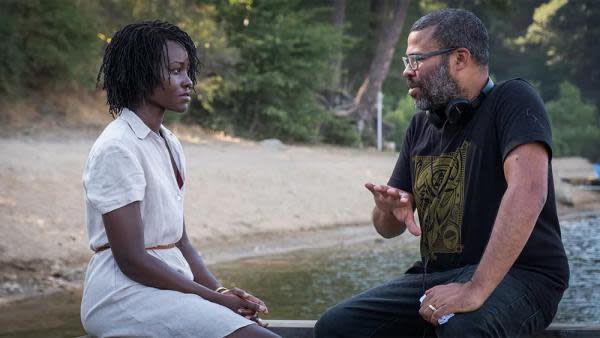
point(439, 191)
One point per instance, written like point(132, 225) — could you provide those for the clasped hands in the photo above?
point(244, 304)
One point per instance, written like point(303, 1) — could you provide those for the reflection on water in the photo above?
point(56, 315)
point(303, 284)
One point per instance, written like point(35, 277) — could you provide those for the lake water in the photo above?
point(301, 285)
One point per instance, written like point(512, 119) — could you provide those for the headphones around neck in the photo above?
point(459, 109)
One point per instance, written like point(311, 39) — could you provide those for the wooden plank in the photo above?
point(292, 328)
point(304, 329)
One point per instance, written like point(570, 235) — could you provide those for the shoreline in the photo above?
point(37, 279)
point(40, 278)
point(243, 199)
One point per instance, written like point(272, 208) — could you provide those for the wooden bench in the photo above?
point(304, 329)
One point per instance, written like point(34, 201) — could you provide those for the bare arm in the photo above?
point(201, 274)
point(204, 277)
point(526, 172)
point(386, 224)
point(125, 233)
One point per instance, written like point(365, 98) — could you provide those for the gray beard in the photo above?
point(438, 89)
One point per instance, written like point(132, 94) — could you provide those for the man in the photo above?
point(475, 164)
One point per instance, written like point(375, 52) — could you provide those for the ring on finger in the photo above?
point(433, 308)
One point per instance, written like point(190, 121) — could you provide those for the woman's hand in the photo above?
point(244, 304)
point(247, 296)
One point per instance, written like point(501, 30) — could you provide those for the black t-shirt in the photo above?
point(456, 176)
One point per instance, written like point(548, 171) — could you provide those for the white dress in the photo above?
point(128, 163)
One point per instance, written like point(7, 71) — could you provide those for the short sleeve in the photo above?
point(113, 178)
point(401, 176)
point(521, 118)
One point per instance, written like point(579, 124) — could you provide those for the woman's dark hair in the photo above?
point(457, 28)
point(133, 62)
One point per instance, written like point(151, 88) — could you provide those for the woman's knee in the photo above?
point(252, 331)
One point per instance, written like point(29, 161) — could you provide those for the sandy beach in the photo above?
point(243, 199)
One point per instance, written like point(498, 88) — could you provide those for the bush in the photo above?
point(340, 130)
point(46, 43)
point(284, 59)
point(574, 124)
point(400, 119)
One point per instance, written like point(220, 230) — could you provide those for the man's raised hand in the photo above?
point(397, 202)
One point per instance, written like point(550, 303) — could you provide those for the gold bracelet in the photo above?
point(221, 289)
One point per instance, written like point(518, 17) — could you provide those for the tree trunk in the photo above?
point(338, 17)
point(388, 34)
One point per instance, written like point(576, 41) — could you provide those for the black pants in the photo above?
point(392, 310)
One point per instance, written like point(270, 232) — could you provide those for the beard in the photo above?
point(437, 89)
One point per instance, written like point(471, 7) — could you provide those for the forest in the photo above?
point(309, 71)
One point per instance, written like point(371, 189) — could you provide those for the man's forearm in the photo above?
point(517, 215)
point(386, 224)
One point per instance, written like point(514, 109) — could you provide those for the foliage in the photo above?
point(199, 20)
point(340, 130)
point(284, 60)
point(43, 44)
point(560, 43)
point(574, 124)
point(400, 119)
point(394, 88)
point(265, 62)
point(574, 46)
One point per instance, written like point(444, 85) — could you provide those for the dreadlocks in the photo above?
point(134, 59)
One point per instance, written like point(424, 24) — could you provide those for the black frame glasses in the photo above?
point(413, 60)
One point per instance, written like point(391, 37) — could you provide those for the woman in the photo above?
point(145, 278)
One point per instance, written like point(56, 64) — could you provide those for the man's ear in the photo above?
point(462, 58)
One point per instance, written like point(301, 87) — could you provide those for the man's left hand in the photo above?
point(450, 298)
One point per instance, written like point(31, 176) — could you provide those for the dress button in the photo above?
point(179, 197)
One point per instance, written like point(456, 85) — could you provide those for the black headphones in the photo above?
point(458, 110)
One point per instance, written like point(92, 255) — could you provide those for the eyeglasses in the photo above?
point(413, 60)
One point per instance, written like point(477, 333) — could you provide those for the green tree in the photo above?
point(339, 130)
point(400, 118)
point(573, 48)
point(200, 21)
point(284, 61)
point(559, 43)
point(45, 43)
point(574, 127)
